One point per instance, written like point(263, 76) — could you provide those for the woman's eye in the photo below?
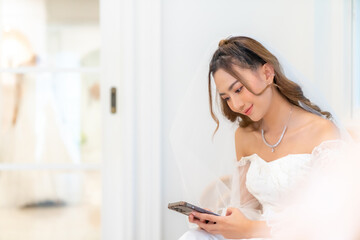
point(238, 90)
point(226, 99)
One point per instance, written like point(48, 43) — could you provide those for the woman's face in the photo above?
point(240, 99)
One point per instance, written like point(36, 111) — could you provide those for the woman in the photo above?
point(278, 130)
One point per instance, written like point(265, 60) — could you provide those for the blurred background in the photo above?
point(89, 90)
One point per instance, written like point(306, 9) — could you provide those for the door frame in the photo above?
point(131, 171)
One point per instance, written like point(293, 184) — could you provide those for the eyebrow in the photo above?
point(230, 87)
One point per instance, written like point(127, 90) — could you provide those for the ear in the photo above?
point(269, 73)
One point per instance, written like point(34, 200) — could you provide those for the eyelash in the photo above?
point(236, 91)
point(239, 89)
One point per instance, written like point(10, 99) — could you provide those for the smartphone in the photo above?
point(187, 208)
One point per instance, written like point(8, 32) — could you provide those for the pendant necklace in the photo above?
point(273, 146)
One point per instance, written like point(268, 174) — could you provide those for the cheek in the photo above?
point(248, 98)
point(263, 103)
point(267, 97)
point(247, 95)
point(258, 84)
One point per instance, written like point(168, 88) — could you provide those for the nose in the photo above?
point(237, 104)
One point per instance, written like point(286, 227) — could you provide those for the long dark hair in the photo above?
point(248, 53)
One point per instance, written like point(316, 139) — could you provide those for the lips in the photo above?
point(248, 111)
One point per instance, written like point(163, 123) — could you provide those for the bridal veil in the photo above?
point(207, 162)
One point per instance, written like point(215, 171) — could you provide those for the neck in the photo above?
point(277, 116)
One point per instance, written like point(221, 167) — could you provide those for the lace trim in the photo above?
point(327, 153)
point(244, 160)
point(328, 145)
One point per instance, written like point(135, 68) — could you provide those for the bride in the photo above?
point(279, 134)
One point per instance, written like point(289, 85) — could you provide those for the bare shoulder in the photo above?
point(323, 129)
point(243, 140)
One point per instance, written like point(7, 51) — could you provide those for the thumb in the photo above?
point(229, 211)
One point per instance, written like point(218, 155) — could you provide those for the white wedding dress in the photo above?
point(271, 184)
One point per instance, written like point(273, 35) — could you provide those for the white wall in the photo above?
point(296, 29)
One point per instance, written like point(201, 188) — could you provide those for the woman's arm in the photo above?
point(233, 225)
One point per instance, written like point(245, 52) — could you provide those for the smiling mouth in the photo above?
point(248, 110)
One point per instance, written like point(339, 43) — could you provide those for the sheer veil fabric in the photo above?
point(213, 178)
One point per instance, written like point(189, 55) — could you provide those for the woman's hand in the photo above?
point(233, 225)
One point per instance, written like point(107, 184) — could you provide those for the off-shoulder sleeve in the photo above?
point(327, 153)
point(240, 196)
point(242, 162)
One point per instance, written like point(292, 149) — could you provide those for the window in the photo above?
point(50, 119)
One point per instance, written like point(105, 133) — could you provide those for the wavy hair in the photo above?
point(248, 53)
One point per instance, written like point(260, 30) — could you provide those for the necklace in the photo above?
point(273, 146)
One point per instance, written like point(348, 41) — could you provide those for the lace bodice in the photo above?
point(272, 182)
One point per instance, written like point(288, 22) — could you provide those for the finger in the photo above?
point(204, 216)
point(202, 220)
point(229, 211)
point(211, 228)
point(191, 218)
point(207, 221)
point(197, 221)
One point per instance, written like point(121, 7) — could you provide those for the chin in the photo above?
point(254, 118)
